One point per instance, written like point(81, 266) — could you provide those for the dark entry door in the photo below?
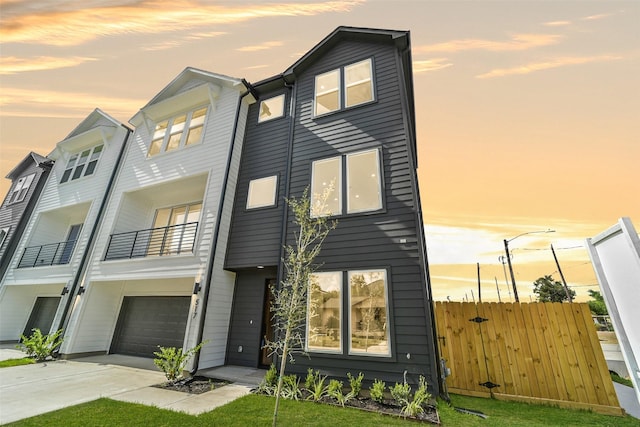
point(44, 310)
point(267, 325)
point(148, 322)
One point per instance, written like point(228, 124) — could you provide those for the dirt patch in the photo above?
point(193, 385)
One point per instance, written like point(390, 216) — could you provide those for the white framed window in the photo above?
point(271, 108)
point(82, 164)
point(4, 232)
point(368, 313)
point(324, 312)
point(363, 189)
point(174, 229)
point(262, 192)
point(20, 189)
point(178, 132)
point(355, 81)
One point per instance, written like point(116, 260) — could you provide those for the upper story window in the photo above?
point(271, 108)
point(262, 192)
point(4, 232)
point(355, 81)
point(82, 164)
point(20, 189)
point(361, 190)
point(178, 132)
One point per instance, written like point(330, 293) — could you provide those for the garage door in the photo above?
point(148, 322)
point(44, 310)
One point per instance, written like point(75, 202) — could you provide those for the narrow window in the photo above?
point(20, 190)
point(327, 92)
point(196, 124)
point(177, 127)
point(93, 160)
point(358, 83)
point(262, 192)
point(67, 172)
point(271, 108)
point(3, 235)
point(158, 138)
point(326, 187)
point(364, 187)
point(324, 312)
point(368, 313)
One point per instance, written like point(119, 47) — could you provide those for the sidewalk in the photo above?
point(30, 390)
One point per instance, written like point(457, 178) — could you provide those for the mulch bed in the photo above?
point(193, 385)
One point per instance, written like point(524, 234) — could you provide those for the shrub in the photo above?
point(401, 393)
point(377, 391)
point(355, 383)
point(314, 383)
point(415, 406)
point(269, 383)
point(335, 390)
point(172, 361)
point(39, 346)
point(291, 387)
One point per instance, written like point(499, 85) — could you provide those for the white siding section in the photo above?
point(17, 304)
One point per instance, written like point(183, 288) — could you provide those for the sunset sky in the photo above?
point(528, 113)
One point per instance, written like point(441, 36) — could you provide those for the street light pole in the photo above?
point(506, 251)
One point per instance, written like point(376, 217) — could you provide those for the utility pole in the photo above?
point(564, 282)
point(497, 288)
point(513, 279)
point(479, 290)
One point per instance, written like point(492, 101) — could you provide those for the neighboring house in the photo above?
point(41, 280)
point(152, 268)
point(340, 120)
point(27, 180)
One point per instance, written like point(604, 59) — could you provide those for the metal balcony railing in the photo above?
point(171, 240)
point(50, 254)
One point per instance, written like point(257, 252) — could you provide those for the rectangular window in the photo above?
point(174, 229)
point(178, 132)
point(76, 165)
point(271, 108)
point(3, 235)
point(262, 192)
point(20, 189)
point(363, 192)
point(324, 312)
point(355, 81)
point(368, 313)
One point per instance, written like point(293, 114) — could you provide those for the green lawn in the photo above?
point(16, 362)
point(256, 411)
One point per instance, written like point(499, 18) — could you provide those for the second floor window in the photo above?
point(82, 164)
point(178, 132)
point(347, 86)
point(20, 190)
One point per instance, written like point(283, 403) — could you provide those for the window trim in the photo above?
point(342, 88)
point(21, 188)
point(325, 350)
point(186, 128)
point(272, 117)
point(76, 157)
point(275, 193)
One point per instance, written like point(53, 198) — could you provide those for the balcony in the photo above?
point(45, 255)
point(162, 241)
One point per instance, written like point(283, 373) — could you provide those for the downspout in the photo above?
point(214, 245)
point(80, 275)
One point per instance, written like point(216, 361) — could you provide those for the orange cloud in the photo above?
point(70, 27)
point(13, 65)
point(430, 65)
point(557, 23)
point(539, 66)
point(516, 43)
point(261, 46)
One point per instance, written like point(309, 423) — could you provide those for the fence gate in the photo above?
point(544, 352)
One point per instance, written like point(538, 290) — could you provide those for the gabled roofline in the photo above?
point(90, 119)
point(35, 157)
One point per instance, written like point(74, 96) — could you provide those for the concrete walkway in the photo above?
point(29, 390)
point(628, 399)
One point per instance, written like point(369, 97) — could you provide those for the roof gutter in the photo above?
point(212, 255)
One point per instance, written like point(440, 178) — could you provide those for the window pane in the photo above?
point(154, 149)
point(262, 192)
point(326, 185)
point(77, 173)
point(91, 167)
point(358, 83)
point(194, 135)
point(65, 176)
point(364, 188)
point(368, 323)
point(327, 95)
point(324, 312)
point(271, 108)
point(174, 141)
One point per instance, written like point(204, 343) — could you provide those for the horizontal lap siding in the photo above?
point(256, 234)
point(370, 240)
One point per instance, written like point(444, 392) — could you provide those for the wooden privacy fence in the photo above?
point(544, 352)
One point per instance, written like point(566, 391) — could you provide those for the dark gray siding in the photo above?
point(371, 240)
point(256, 234)
point(16, 215)
point(246, 317)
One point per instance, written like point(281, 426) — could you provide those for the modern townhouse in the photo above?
point(27, 180)
point(341, 119)
point(42, 277)
point(156, 267)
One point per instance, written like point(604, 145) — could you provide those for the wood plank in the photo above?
point(525, 360)
point(492, 359)
point(539, 379)
point(548, 353)
point(576, 331)
point(556, 319)
point(458, 371)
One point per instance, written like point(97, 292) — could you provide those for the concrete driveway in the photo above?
point(29, 390)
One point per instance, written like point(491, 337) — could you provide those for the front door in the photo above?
point(267, 325)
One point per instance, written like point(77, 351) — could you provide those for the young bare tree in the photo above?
point(289, 308)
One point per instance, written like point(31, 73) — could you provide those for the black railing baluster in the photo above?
point(158, 241)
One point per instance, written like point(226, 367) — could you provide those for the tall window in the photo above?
point(271, 108)
point(368, 313)
point(353, 82)
point(82, 164)
point(178, 132)
point(262, 192)
point(20, 189)
point(324, 312)
point(363, 190)
point(174, 229)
